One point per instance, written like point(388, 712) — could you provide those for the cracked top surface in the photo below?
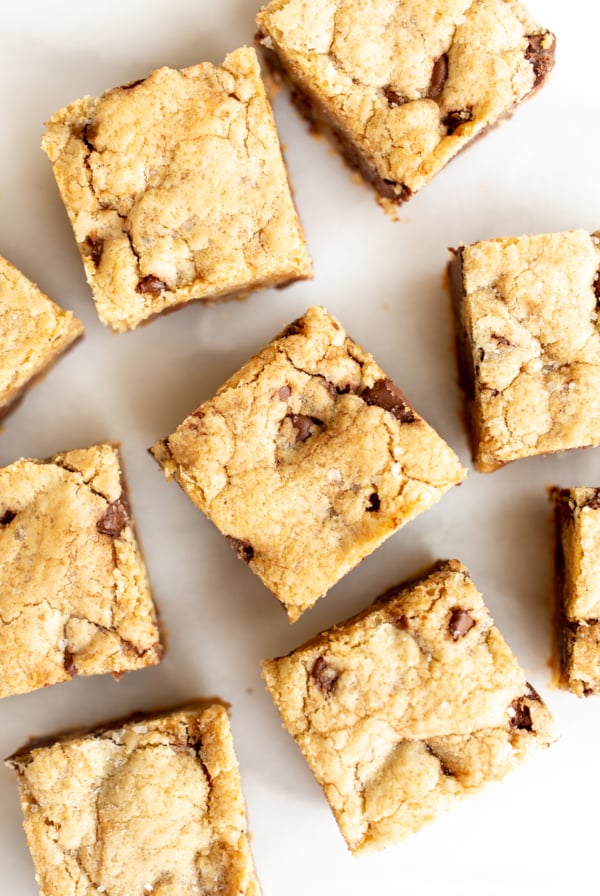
point(33, 332)
point(408, 706)
point(152, 806)
point(530, 330)
point(307, 459)
point(74, 594)
point(176, 190)
point(409, 82)
point(577, 589)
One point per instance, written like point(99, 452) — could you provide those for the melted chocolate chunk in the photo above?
point(304, 426)
point(460, 623)
point(113, 520)
point(7, 517)
point(152, 285)
point(541, 59)
point(296, 328)
point(393, 98)
point(284, 393)
point(453, 120)
point(69, 663)
point(522, 716)
point(95, 244)
point(386, 394)
point(374, 503)
point(243, 548)
point(438, 76)
point(325, 677)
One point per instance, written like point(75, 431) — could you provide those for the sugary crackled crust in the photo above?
point(74, 593)
point(527, 327)
point(307, 459)
point(407, 707)
point(176, 190)
point(152, 806)
point(407, 83)
point(34, 331)
point(577, 589)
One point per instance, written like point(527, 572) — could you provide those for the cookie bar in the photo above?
point(153, 805)
point(577, 588)
point(408, 707)
point(176, 190)
point(34, 332)
point(528, 344)
point(74, 594)
point(401, 86)
point(307, 459)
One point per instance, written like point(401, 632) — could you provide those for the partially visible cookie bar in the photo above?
point(74, 593)
point(176, 190)
point(401, 86)
point(34, 332)
point(307, 459)
point(407, 707)
point(153, 805)
point(526, 312)
point(577, 588)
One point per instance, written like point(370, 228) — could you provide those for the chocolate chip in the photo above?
point(593, 502)
point(521, 717)
point(501, 340)
point(460, 623)
point(152, 285)
point(386, 394)
point(304, 426)
point(401, 622)
point(391, 189)
point(244, 549)
point(296, 328)
point(393, 98)
point(325, 677)
point(95, 244)
point(7, 517)
point(69, 663)
point(453, 120)
point(596, 286)
point(438, 76)
point(374, 503)
point(284, 393)
point(113, 520)
point(540, 58)
point(589, 692)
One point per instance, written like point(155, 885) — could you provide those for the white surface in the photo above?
point(538, 830)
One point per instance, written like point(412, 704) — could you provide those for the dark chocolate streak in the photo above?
point(541, 59)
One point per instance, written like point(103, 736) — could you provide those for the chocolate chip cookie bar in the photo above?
point(528, 340)
point(74, 594)
point(401, 86)
point(153, 805)
point(307, 459)
point(577, 588)
point(408, 707)
point(176, 190)
point(34, 332)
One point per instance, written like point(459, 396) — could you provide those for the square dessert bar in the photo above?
point(176, 190)
point(307, 459)
point(408, 707)
point(74, 594)
point(152, 805)
point(401, 86)
point(34, 332)
point(528, 339)
point(577, 588)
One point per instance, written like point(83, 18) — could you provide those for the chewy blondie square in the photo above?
point(526, 311)
point(153, 805)
point(407, 707)
point(577, 588)
point(34, 332)
point(307, 459)
point(74, 593)
point(176, 190)
point(401, 86)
